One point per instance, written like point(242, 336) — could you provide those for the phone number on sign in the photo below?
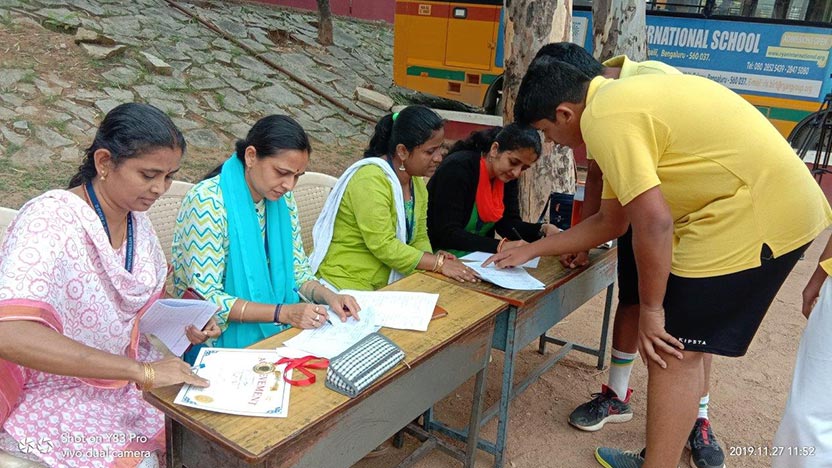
point(772, 451)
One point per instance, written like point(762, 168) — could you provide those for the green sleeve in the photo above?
point(371, 197)
point(302, 269)
point(199, 248)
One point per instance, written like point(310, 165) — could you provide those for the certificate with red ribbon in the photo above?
point(248, 382)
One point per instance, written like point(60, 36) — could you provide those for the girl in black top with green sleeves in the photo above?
point(475, 192)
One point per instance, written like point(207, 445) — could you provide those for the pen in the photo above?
point(306, 299)
point(514, 230)
point(199, 366)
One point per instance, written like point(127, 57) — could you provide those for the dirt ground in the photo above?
point(748, 394)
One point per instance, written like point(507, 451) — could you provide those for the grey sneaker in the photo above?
point(617, 458)
point(705, 451)
point(604, 407)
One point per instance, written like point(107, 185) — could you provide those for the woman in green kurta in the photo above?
point(373, 228)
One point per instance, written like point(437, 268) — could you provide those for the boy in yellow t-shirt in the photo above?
point(721, 210)
point(612, 403)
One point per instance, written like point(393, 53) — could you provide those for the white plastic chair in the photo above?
point(310, 194)
point(6, 217)
point(163, 214)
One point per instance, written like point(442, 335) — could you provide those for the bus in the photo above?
point(775, 53)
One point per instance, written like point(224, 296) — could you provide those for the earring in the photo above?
point(103, 177)
point(401, 166)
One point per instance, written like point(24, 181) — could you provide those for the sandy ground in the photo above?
point(748, 394)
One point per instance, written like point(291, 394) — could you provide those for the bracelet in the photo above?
point(501, 244)
point(149, 377)
point(243, 310)
point(277, 313)
point(440, 262)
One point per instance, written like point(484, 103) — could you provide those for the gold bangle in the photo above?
point(500, 245)
point(440, 262)
point(243, 309)
point(149, 377)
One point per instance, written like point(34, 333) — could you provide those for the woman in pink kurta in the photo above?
point(77, 269)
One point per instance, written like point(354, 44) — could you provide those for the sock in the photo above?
point(621, 364)
point(703, 406)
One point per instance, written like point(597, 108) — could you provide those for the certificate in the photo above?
point(243, 381)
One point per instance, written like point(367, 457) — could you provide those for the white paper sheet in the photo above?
point(397, 309)
point(243, 381)
point(509, 278)
point(480, 257)
point(331, 340)
point(166, 319)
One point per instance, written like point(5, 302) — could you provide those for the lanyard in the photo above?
point(128, 261)
point(302, 364)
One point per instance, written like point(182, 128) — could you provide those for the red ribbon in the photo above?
point(303, 364)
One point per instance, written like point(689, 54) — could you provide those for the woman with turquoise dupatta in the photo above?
point(237, 240)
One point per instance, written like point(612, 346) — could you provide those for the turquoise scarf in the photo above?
point(251, 273)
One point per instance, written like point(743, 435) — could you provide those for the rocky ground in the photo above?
point(54, 90)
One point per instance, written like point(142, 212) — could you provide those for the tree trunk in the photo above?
point(324, 23)
point(531, 24)
point(619, 28)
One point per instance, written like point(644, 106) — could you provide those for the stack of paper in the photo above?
point(243, 381)
point(397, 309)
point(166, 319)
point(509, 278)
point(331, 340)
point(480, 257)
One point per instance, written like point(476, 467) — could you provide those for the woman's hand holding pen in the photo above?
point(303, 315)
point(343, 305)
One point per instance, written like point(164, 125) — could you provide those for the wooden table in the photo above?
point(326, 429)
point(530, 315)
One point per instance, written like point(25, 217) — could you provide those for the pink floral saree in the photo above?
point(57, 268)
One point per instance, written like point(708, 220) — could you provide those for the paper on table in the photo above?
point(483, 256)
point(166, 319)
point(331, 340)
point(243, 381)
point(397, 309)
point(509, 278)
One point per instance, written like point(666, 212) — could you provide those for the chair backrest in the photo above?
point(6, 217)
point(163, 214)
point(310, 194)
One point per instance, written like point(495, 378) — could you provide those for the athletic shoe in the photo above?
point(705, 451)
point(617, 458)
point(603, 408)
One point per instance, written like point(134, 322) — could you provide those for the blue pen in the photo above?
point(199, 366)
point(306, 299)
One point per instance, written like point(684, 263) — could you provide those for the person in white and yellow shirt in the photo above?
point(804, 438)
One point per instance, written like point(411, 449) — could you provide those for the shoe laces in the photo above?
point(703, 434)
point(599, 401)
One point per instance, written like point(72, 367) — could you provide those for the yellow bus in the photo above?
point(775, 53)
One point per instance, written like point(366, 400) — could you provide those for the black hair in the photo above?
point(413, 126)
point(270, 136)
point(574, 55)
point(127, 131)
point(509, 138)
point(547, 84)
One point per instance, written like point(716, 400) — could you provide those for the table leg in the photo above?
point(507, 388)
point(605, 328)
point(173, 436)
point(476, 411)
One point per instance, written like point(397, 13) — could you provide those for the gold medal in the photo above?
point(264, 368)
